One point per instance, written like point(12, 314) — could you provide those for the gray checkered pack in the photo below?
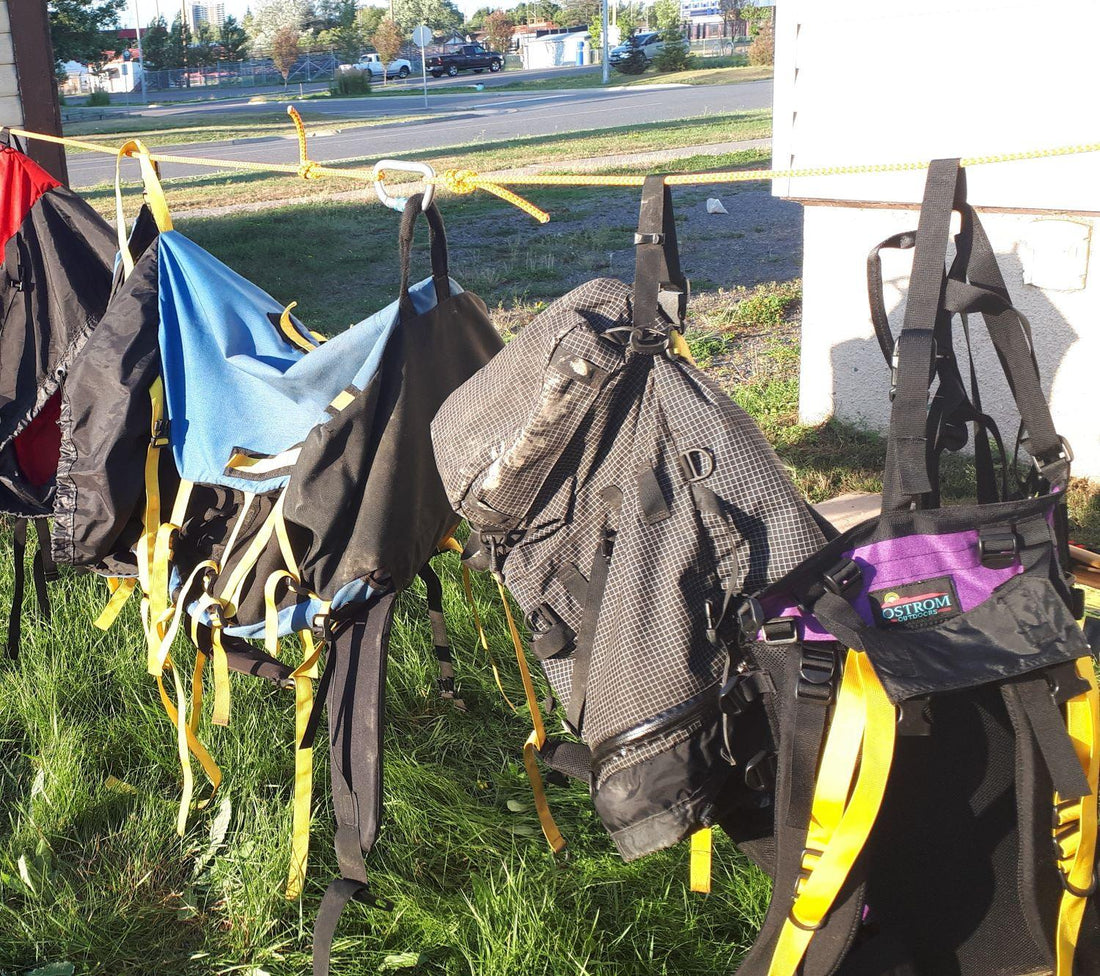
point(627, 503)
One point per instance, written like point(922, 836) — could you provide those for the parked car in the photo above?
point(373, 63)
point(648, 42)
point(468, 57)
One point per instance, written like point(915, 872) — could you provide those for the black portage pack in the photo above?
point(58, 256)
point(627, 503)
point(931, 694)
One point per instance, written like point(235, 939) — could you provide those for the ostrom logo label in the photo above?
point(921, 602)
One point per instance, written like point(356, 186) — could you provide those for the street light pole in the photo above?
point(603, 42)
point(141, 55)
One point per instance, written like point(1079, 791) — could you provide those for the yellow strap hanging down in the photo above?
point(154, 197)
point(120, 589)
point(851, 782)
point(1075, 821)
point(536, 739)
point(303, 677)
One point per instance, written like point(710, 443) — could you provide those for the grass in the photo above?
point(234, 188)
point(704, 74)
point(91, 873)
point(190, 128)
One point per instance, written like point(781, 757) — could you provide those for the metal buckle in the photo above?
point(816, 673)
point(998, 548)
point(650, 342)
point(648, 239)
point(1064, 455)
point(159, 437)
point(842, 577)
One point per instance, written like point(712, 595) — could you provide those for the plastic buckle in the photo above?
point(914, 717)
point(780, 630)
point(750, 618)
point(894, 371)
point(760, 771)
point(842, 577)
point(998, 548)
point(742, 690)
point(217, 617)
point(1064, 455)
point(816, 674)
point(1065, 683)
point(159, 437)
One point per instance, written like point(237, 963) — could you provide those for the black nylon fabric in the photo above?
point(54, 288)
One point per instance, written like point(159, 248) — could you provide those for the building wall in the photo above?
point(880, 81)
point(11, 109)
point(843, 370)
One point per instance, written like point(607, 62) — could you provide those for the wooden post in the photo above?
point(34, 66)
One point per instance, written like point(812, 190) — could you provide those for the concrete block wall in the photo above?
point(11, 109)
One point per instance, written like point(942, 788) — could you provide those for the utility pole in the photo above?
point(141, 54)
point(603, 42)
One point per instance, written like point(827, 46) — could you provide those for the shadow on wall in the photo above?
point(861, 376)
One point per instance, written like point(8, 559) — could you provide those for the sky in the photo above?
point(237, 8)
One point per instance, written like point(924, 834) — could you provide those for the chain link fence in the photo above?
point(252, 73)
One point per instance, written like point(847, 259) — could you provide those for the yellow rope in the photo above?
point(466, 181)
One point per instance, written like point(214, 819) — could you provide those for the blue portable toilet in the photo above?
point(580, 52)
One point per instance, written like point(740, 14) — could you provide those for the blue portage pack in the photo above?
point(251, 480)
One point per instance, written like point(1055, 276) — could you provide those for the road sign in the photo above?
point(422, 36)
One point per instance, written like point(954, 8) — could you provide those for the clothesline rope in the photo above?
point(467, 181)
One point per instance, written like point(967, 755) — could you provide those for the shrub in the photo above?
point(351, 81)
point(634, 62)
point(97, 99)
point(762, 49)
point(674, 56)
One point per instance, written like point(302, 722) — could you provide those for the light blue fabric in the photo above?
point(232, 379)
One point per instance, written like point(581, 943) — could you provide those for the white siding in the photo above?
point(11, 109)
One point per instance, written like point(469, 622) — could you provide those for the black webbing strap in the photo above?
point(438, 239)
point(15, 615)
point(814, 692)
point(1034, 697)
point(243, 656)
point(906, 478)
point(586, 632)
point(43, 568)
point(659, 285)
point(355, 696)
point(441, 643)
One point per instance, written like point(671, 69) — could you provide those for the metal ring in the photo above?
point(407, 166)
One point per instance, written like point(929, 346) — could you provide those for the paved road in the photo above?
point(472, 118)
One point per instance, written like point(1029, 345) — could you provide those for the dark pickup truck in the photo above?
point(470, 56)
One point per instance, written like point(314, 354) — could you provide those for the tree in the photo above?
point(537, 12)
point(272, 16)
point(336, 13)
point(476, 20)
point(762, 48)
point(233, 39)
point(498, 31)
point(367, 20)
point(284, 50)
point(628, 23)
point(580, 12)
point(77, 27)
point(179, 43)
point(675, 55)
point(387, 41)
point(755, 17)
point(439, 15)
point(156, 45)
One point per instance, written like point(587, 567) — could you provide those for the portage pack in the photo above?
point(627, 503)
point(58, 257)
point(253, 481)
point(932, 697)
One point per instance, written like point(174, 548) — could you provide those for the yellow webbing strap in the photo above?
point(196, 678)
point(151, 514)
point(537, 737)
point(231, 591)
point(121, 588)
point(292, 334)
point(851, 782)
point(678, 346)
point(248, 464)
point(154, 196)
point(1075, 821)
point(167, 627)
point(220, 661)
point(701, 854)
point(187, 744)
point(161, 566)
point(303, 677)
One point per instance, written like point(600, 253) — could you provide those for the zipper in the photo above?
point(671, 720)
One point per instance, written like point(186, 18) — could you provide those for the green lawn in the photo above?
point(91, 871)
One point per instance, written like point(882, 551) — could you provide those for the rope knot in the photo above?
point(461, 181)
point(309, 170)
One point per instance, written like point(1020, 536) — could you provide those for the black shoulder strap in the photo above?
point(974, 284)
point(42, 569)
point(354, 691)
point(660, 289)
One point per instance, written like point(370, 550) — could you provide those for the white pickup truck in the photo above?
point(373, 63)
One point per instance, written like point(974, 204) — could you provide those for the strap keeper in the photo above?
point(842, 577)
point(640, 239)
point(999, 547)
point(780, 630)
point(743, 689)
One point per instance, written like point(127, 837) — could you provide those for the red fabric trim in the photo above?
point(38, 445)
point(22, 182)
